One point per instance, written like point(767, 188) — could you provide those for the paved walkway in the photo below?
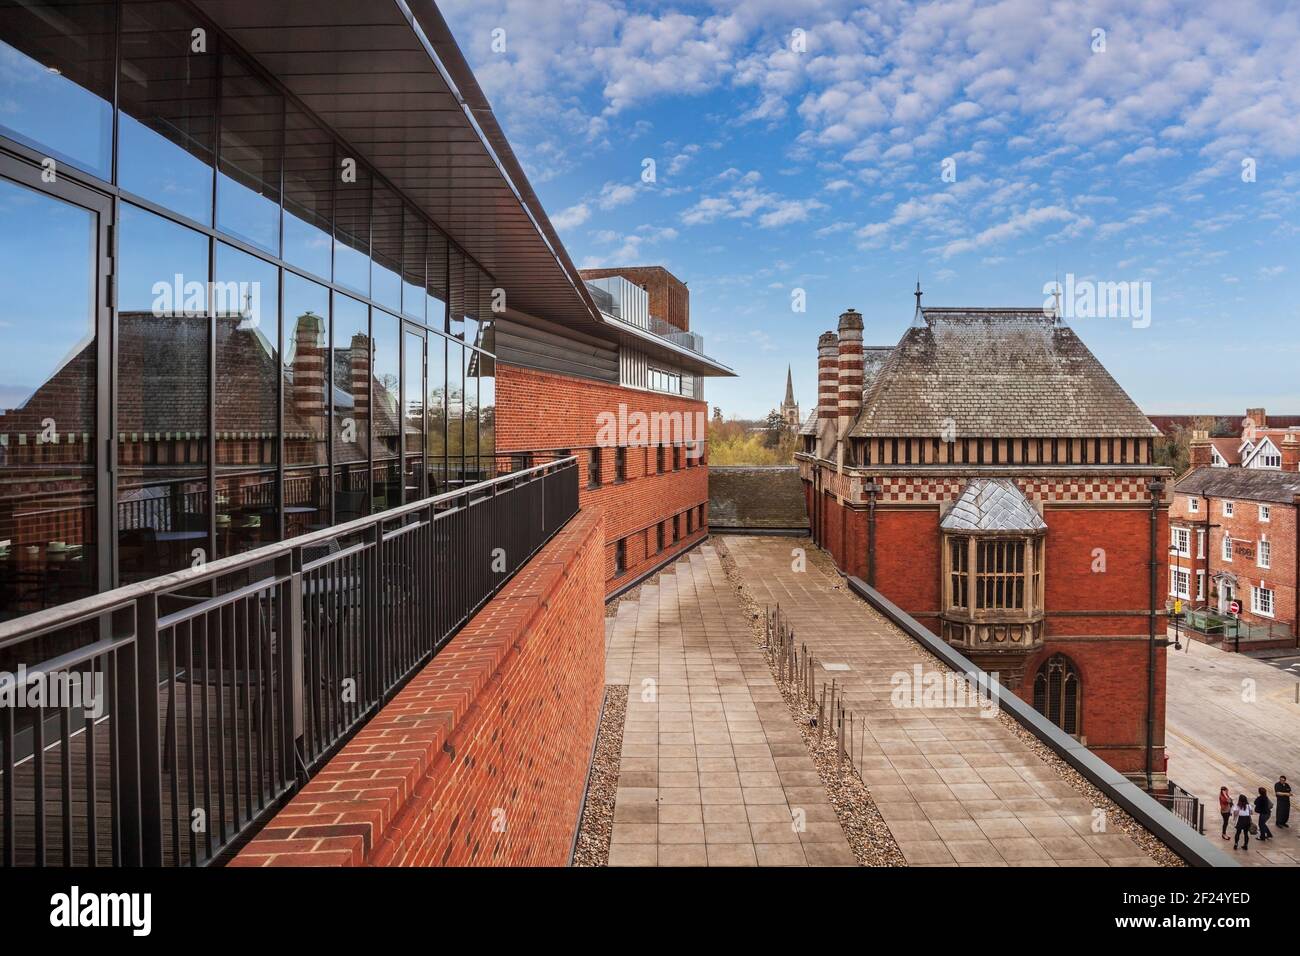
point(1217, 734)
point(713, 766)
point(954, 788)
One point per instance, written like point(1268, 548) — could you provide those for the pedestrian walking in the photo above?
point(1241, 813)
point(1225, 809)
point(1263, 807)
point(1282, 790)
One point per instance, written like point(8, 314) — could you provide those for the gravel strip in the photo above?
point(1150, 844)
point(602, 783)
point(865, 829)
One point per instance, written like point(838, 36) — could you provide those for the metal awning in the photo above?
point(387, 76)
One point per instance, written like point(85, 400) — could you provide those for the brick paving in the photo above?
point(713, 767)
point(954, 788)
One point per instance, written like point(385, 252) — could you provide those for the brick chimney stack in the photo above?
point(309, 395)
point(828, 379)
point(850, 369)
point(360, 364)
point(1200, 449)
point(1258, 416)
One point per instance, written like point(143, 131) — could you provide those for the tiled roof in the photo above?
point(1006, 373)
point(1247, 484)
point(992, 504)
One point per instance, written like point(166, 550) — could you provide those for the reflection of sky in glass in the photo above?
point(47, 293)
point(154, 167)
point(386, 286)
point(306, 246)
point(153, 250)
point(351, 268)
point(253, 285)
point(54, 115)
point(247, 214)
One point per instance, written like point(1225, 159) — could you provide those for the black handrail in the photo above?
point(210, 695)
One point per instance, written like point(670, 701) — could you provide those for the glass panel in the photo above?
point(309, 174)
point(436, 285)
point(413, 398)
point(455, 414)
point(471, 416)
point(306, 407)
point(352, 224)
point(247, 430)
point(167, 93)
point(485, 370)
point(436, 384)
point(56, 80)
point(456, 291)
point(386, 236)
point(350, 388)
point(162, 396)
point(387, 429)
point(248, 189)
point(470, 305)
point(413, 265)
point(47, 402)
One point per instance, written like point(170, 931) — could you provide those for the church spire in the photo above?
point(789, 387)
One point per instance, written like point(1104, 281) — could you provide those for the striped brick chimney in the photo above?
point(850, 369)
point(309, 395)
point(828, 378)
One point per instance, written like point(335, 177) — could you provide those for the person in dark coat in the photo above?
point(1263, 807)
point(1241, 812)
point(1282, 790)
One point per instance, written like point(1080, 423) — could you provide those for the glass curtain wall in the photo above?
point(264, 384)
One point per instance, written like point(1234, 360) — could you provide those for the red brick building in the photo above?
point(631, 409)
point(990, 477)
point(1233, 537)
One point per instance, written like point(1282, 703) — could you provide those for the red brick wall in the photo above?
point(481, 760)
point(542, 410)
point(1113, 680)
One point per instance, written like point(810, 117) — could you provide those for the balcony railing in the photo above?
point(163, 722)
point(628, 302)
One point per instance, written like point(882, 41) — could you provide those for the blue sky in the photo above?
point(801, 145)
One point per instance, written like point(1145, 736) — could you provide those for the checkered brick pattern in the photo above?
point(925, 489)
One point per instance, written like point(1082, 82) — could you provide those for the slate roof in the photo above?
point(809, 427)
point(1005, 373)
point(1246, 484)
point(992, 504)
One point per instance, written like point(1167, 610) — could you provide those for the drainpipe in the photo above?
point(871, 489)
point(1295, 597)
point(1157, 488)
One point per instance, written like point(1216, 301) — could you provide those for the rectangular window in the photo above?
point(620, 464)
point(1264, 512)
point(349, 365)
point(1193, 505)
point(1181, 541)
point(957, 559)
point(1179, 583)
point(593, 468)
point(306, 406)
point(620, 557)
point(1200, 585)
point(308, 193)
point(1200, 542)
point(1227, 547)
point(1261, 601)
point(690, 522)
point(677, 528)
point(660, 535)
point(1264, 555)
point(659, 459)
point(1000, 575)
point(1227, 509)
point(248, 187)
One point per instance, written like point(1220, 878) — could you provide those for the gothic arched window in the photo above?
point(1056, 693)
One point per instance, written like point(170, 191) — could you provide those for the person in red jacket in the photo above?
point(1225, 809)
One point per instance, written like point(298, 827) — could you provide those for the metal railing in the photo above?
point(163, 722)
point(1184, 805)
point(1209, 623)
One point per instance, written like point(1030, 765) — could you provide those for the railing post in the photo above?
point(293, 664)
point(149, 754)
